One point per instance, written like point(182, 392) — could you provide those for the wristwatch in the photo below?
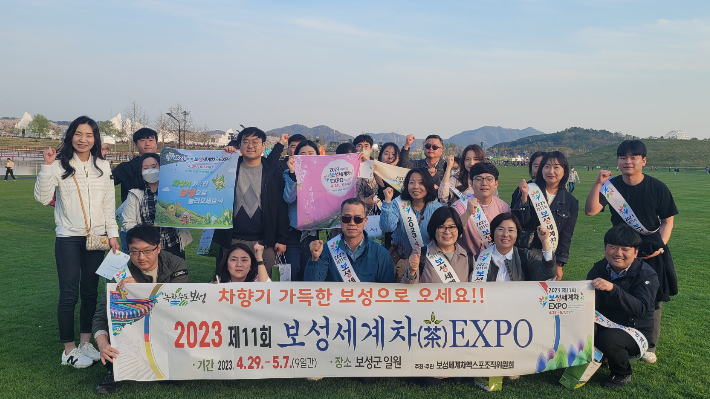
point(261, 262)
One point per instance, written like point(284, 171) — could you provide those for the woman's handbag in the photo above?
point(94, 242)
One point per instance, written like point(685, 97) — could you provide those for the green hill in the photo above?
point(662, 153)
point(573, 140)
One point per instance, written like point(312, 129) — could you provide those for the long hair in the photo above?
point(463, 177)
point(427, 182)
point(562, 160)
point(384, 146)
point(251, 275)
point(65, 151)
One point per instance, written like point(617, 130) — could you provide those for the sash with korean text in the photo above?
point(393, 175)
point(410, 223)
point(443, 268)
point(544, 214)
point(342, 262)
point(617, 201)
point(483, 226)
point(483, 264)
point(640, 339)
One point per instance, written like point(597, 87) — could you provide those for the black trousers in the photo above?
point(617, 346)
point(8, 171)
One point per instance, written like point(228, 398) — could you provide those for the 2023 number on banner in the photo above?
point(287, 330)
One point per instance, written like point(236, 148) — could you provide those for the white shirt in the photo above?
point(499, 261)
point(550, 197)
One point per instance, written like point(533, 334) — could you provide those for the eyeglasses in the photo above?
point(489, 179)
point(253, 143)
point(444, 229)
point(432, 147)
point(146, 252)
point(345, 219)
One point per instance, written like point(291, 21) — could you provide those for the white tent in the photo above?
point(24, 121)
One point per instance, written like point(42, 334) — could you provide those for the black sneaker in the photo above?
point(108, 386)
point(616, 381)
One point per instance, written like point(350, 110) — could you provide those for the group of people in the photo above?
point(440, 216)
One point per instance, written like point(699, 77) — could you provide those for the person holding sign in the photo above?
point(443, 260)
point(626, 295)
point(297, 249)
point(351, 256)
point(140, 208)
point(86, 228)
point(548, 202)
point(645, 204)
point(390, 155)
point(243, 265)
point(461, 182)
point(408, 216)
point(148, 264)
point(477, 212)
point(505, 262)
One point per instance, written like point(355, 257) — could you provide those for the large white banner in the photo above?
point(287, 330)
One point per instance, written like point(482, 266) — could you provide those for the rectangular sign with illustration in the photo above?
point(323, 183)
point(196, 189)
point(293, 330)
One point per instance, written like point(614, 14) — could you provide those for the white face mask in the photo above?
point(151, 175)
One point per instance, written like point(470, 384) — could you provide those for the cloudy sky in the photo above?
point(639, 67)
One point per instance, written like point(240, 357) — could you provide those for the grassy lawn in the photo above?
point(30, 349)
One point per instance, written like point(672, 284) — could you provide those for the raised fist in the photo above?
point(604, 175)
point(284, 139)
point(316, 248)
point(389, 193)
point(49, 155)
point(258, 252)
point(414, 263)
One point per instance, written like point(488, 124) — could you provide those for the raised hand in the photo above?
point(604, 175)
point(316, 248)
point(408, 141)
point(471, 205)
point(543, 233)
point(284, 139)
point(258, 252)
point(104, 150)
point(290, 162)
point(230, 149)
point(389, 193)
point(370, 201)
point(49, 155)
point(449, 164)
point(414, 264)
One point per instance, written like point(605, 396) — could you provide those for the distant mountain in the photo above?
point(573, 140)
point(490, 135)
point(312, 132)
point(662, 153)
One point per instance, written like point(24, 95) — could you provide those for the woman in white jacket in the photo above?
point(140, 208)
point(82, 181)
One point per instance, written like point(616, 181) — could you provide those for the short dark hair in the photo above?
point(483, 167)
point(435, 136)
point(439, 217)
point(296, 137)
point(353, 201)
point(363, 137)
point(623, 235)
point(385, 145)
point(427, 182)
point(346, 148)
point(306, 143)
point(144, 232)
point(148, 155)
point(506, 216)
point(633, 147)
point(562, 160)
point(252, 131)
point(251, 275)
point(533, 157)
point(144, 133)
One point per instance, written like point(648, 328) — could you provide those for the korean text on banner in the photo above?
point(293, 330)
point(196, 189)
point(323, 183)
point(393, 175)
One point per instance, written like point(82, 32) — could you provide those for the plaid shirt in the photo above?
point(168, 235)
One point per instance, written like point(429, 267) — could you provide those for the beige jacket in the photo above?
point(427, 274)
point(97, 193)
point(10, 165)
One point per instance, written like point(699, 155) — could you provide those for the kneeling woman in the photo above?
point(443, 260)
point(509, 263)
point(243, 265)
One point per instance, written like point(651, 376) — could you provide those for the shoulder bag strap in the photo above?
point(82, 204)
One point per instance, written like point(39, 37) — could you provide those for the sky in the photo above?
point(636, 67)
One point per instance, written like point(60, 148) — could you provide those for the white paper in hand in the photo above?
point(112, 264)
point(373, 226)
point(122, 274)
point(366, 170)
point(205, 242)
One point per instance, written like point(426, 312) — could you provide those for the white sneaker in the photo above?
point(77, 359)
point(649, 357)
point(89, 351)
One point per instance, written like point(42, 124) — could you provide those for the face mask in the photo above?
point(151, 175)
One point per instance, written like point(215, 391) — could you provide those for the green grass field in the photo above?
point(30, 349)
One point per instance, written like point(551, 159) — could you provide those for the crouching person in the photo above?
point(148, 264)
point(626, 291)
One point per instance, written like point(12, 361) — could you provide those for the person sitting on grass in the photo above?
point(148, 264)
point(626, 288)
point(243, 265)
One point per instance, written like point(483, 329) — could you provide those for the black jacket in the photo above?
point(128, 175)
point(632, 300)
point(275, 156)
point(565, 209)
point(274, 209)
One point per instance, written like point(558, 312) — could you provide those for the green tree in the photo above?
point(40, 125)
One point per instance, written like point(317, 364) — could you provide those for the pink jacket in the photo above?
point(470, 240)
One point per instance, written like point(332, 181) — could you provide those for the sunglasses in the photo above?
point(432, 147)
point(347, 219)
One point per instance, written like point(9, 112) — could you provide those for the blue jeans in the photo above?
point(298, 253)
point(124, 243)
point(76, 269)
point(571, 187)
